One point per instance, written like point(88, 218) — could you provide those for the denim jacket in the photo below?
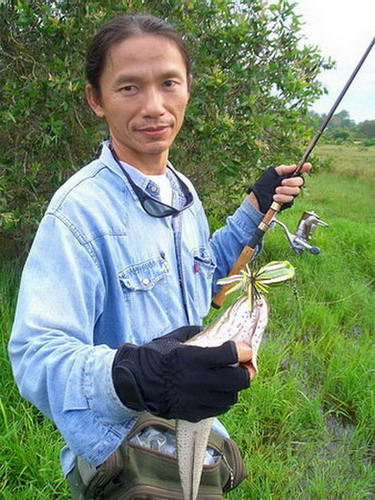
point(102, 272)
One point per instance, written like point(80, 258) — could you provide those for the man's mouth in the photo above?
point(153, 131)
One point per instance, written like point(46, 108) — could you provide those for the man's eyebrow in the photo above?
point(129, 78)
point(173, 73)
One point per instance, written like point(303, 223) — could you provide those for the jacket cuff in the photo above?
point(246, 219)
point(102, 396)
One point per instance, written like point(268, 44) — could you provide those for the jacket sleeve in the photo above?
point(227, 242)
point(55, 363)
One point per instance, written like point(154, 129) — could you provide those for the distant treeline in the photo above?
point(343, 128)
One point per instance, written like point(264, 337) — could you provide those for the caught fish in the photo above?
point(244, 321)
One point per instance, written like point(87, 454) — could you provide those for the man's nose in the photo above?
point(154, 103)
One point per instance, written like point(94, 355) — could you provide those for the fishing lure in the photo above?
point(256, 283)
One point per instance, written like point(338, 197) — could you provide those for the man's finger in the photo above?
point(297, 181)
point(288, 190)
point(250, 367)
point(289, 169)
point(244, 352)
point(283, 198)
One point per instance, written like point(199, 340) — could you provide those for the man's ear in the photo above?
point(189, 83)
point(93, 98)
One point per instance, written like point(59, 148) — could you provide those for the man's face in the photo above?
point(144, 91)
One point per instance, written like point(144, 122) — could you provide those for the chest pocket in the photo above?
point(145, 290)
point(144, 276)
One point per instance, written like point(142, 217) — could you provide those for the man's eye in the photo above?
point(170, 83)
point(128, 89)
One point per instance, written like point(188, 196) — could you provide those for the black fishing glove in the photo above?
point(173, 380)
point(264, 189)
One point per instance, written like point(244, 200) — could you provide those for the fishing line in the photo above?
point(367, 285)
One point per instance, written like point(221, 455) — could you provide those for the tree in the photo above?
point(314, 119)
point(253, 83)
point(366, 129)
point(341, 120)
point(340, 128)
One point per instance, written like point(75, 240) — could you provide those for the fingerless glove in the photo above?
point(173, 380)
point(264, 189)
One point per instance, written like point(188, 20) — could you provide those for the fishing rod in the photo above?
point(268, 219)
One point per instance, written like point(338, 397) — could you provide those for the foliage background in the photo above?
point(253, 82)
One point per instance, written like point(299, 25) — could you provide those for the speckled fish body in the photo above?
point(236, 323)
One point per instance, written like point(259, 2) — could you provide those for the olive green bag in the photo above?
point(135, 472)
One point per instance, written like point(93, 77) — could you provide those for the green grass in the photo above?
point(29, 444)
point(306, 426)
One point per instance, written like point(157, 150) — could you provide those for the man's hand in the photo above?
point(173, 380)
point(275, 185)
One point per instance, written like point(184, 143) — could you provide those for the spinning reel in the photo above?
point(299, 241)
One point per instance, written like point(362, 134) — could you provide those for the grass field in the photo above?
point(306, 426)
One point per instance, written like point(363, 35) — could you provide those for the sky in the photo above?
point(343, 29)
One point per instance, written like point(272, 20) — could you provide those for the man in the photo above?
point(123, 256)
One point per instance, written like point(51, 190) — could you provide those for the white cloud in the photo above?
point(343, 29)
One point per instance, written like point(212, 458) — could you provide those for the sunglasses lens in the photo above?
point(157, 209)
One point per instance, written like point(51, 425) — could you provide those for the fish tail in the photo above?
point(192, 439)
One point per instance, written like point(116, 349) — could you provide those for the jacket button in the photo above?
point(146, 281)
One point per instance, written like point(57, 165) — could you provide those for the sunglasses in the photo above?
point(152, 206)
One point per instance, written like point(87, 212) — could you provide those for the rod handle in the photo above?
point(243, 259)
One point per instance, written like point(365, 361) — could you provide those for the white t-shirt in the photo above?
point(165, 187)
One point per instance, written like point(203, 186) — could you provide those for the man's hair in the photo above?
point(121, 28)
